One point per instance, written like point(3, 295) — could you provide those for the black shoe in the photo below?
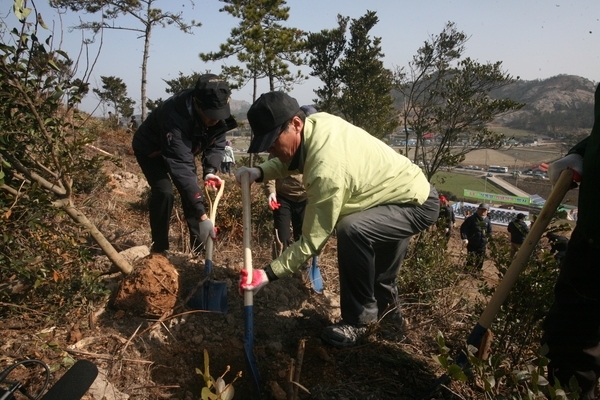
point(343, 334)
point(157, 250)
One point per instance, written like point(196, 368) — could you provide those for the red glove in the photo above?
point(213, 181)
point(274, 205)
point(259, 279)
point(272, 201)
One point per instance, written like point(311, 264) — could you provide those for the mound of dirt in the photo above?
point(150, 290)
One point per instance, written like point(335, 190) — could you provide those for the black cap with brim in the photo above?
point(212, 94)
point(217, 113)
point(263, 142)
point(266, 117)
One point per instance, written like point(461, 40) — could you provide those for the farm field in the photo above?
point(455, 183)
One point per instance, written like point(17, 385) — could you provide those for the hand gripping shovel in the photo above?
point(516, 267)
point(211, 296)
point(248, 294)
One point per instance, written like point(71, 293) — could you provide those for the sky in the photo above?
point(534, 39)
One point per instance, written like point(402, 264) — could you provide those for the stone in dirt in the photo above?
point(150, 290)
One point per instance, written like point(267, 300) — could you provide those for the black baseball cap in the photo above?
point(266, 115)
point(213, 93)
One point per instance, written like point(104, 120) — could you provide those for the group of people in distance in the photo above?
point(372, 197)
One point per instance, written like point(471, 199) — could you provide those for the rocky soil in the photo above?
point(153, 351)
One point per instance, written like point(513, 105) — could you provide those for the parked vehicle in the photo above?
point(497, 168)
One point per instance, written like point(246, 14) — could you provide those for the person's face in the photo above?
point(288, 141)
point(482, 211)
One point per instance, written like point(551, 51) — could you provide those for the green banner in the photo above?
point(502, 198)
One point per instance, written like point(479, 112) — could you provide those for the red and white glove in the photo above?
point(254, 174)
point(272, 201)
point(213, 181)
point(570, 161)
point(259, 280)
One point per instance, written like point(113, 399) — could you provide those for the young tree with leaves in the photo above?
point(357, 86)
point(43, 152)
point(141, 10)
point(261, 44)
point(114, 93)
point(326, 48)
point(446, 97)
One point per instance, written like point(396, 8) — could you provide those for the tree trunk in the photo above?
point(145, 66)
point(108, 249)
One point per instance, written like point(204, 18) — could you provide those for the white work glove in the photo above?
point(206, 229)
point(446, 230)
point(213, 181)
point(259, 280)
point(572, 161)
point(465, 241)
point(254, 174)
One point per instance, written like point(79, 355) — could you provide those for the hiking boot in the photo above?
point(343, 334)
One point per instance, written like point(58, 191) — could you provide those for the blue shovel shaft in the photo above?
point(249, 344)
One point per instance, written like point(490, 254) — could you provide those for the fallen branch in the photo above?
point(99, 149)
point(106, 356)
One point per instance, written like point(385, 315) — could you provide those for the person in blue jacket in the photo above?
point(165, 145)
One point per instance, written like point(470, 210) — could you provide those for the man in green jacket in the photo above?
point(374, 198)
point(572, 326)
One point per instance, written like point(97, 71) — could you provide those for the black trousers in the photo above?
point(161, 204)
point(371, 247)
point(476, 257)
point(288, 212)
point(572, 326)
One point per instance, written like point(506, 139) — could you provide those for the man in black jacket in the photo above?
point(165, 145)
point(518, 229)
point(474, 232)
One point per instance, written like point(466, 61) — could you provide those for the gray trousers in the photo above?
point(371, 247)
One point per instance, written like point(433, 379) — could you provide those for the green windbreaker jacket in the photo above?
point(345, 170)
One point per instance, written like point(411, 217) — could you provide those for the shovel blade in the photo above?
point(212, 296)
point(314, 274)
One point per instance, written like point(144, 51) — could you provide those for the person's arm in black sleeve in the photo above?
point(580, 147)
point(177, 152)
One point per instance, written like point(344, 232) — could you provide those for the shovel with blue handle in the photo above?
point(248, 294)
point(212, 295)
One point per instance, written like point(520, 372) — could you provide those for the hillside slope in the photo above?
point(559, 105)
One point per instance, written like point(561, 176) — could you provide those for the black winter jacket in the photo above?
point(518, 230)
point(175, 133)
point(476, 230)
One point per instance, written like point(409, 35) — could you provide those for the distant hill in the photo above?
point(239, 108)
point(557, 106)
